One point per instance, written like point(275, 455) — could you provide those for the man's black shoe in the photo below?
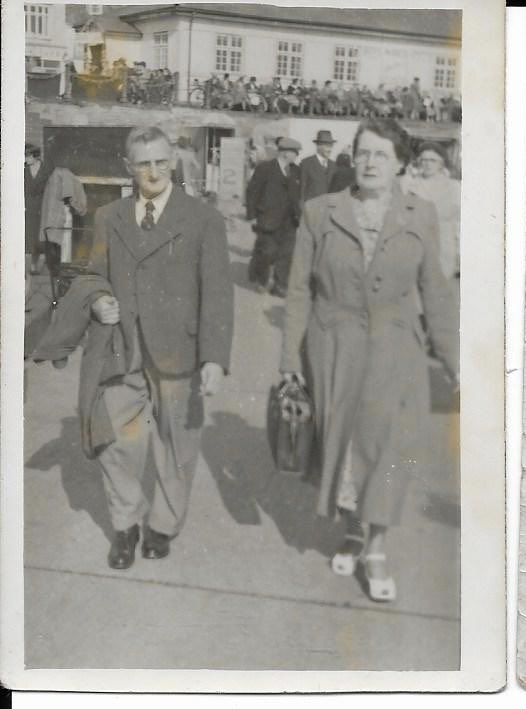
point(122, 552)
point(155, 544)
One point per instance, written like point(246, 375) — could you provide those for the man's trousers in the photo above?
point(273, 248)
point(146, 408)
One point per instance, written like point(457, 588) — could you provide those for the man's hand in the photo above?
point(106, 310)
point(211, 378)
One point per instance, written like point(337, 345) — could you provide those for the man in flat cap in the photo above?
point(273, 195)
point(317, 170)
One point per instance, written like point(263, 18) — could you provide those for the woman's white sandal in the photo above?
point(344, 561)
point(379, 589)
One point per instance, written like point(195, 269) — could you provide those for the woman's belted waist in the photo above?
point(329, 313)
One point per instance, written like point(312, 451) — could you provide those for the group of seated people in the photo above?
point(139, 85)
point(331, 98)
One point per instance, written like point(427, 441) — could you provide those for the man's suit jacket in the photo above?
point(272, 197)
point(314, 179)
point(175, 279)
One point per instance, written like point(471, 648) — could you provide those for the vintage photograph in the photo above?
point(242, 382)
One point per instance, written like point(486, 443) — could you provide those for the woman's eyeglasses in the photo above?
point(145, 165)
point(379, 157)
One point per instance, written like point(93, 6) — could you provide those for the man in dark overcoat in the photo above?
point(36, 175)
point(318, 170)
point(165, 256)
point(273, 204)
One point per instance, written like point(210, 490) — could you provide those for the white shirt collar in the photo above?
point(283, 165)
point(159, 202)
point(323, 161)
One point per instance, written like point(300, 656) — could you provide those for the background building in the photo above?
point(86, 131)
point(101, 37)
point(49, 44)
point(347, 46)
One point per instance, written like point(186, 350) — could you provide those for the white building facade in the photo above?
point(198, 40)
point(49, 39)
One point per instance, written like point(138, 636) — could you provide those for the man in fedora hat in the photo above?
point(273, 195)
point(318, 169)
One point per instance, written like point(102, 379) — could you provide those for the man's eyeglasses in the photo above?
point(362, 156)
point(145, 165)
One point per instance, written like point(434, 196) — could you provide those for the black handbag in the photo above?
point(290, 427)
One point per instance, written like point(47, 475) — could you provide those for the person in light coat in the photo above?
point(434, 183)
point(352, 331)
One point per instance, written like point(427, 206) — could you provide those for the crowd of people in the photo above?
point(276, 212)
point(330, 99)
point(137, 84)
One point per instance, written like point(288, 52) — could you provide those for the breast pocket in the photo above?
point(340, 255)
point(174, 246)
point(403, 256)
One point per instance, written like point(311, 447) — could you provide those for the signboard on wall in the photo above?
point(232, 168)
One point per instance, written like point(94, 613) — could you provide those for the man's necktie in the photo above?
point(148, 221)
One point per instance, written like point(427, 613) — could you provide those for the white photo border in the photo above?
point(483, 647)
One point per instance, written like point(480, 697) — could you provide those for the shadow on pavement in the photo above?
point(239, 274)
point(240, 462)
point(81, 478)
point(276, 316)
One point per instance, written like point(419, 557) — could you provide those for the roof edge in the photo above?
point(183, 9)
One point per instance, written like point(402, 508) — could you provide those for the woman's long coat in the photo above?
point(357, 335)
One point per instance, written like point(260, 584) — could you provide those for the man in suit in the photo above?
point(318, 170)
point(165, 256)
point(273, 204)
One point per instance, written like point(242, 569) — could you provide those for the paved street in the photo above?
point(247, 584)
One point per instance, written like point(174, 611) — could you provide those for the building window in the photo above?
point(33, 62)
point(289, 59)
point(36, 19)
point(94, 9)
point(451, 75)
point(160, 50)
point(229, 52)
point(345, 64)
point(445, 73)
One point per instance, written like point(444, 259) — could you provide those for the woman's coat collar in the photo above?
point(397, 217)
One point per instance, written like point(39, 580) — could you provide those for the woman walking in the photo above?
point(352, 330)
